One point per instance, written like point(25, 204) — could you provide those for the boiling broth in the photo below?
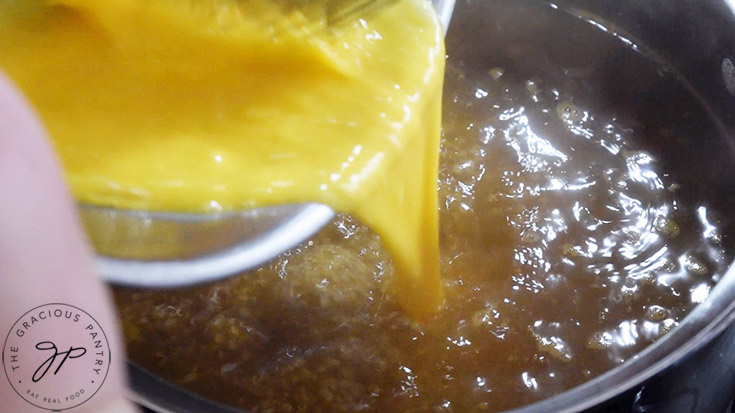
point(569, 242)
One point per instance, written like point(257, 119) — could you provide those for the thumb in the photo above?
point(44, 258)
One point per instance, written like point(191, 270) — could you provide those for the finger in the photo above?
point(44, 257)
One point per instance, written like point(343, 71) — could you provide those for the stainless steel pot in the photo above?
point(692, 369)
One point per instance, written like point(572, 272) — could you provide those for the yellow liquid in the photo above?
point(208, 105)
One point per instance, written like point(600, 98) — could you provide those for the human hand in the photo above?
point(44, 255)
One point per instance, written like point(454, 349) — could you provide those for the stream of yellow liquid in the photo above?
point(209, 105)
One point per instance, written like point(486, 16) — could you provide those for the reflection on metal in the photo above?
point(728, 75)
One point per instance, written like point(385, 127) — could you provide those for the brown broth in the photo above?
point(566, 249)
